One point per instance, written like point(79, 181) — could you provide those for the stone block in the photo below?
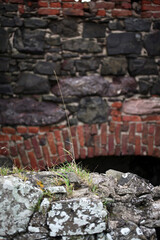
point(6, 89)
point(137, 25)
point(155, 89)
point(94, 30)
point(4, 64)
point(76, 217)
point(124, 43)
point(47, 68)
point(81, 45)
point(142, 66)
point(92, 110)
point(114, 66)
point(84, 65)
point(151, 43)
point(116, 25)
point(3, 40)
point(34, 23)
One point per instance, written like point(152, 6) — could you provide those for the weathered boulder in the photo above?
point(114, 66)
point(94, 30)
point(141, 106)
point(28, 111)
point(17, 201)
point(92, 110)
point(29, 83)
point(142, 66)
point(76, 217)
point(137, 25)
point(82, 86)
point(84, 65)
point(124, 43)
point(81, 45)
point(151, 43)
point(47, 68)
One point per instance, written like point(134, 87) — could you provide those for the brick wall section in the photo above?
point(42, 147)
point(112, 8)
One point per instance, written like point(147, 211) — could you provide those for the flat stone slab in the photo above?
point(76, 217)
point(17, 201)
point(142, 106)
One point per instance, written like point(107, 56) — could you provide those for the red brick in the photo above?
point(13, 151)
point(21, 8)
point(41, 165)
point(125, 127)
point(55, 4)
point(16, 1)
point(67, 5)
point(90, 152)
point(156, 152)
point(36, 147)
point(157, 136)
point(27, 144)
point(130, 150)
point(33, 161)
point(75, 146)
point(124, 144)
point(51, 143)
point(17, 162)
point(111, 144)
point(78, 5)
point(121, 13)
point(4, 149)
point(48, 11)
point(4, 138)
point(139, 127)
point(47, 156)
point(118, 133)
point(112, 127)
point(104, 151)
point(44, 129)
point(146, 14)
point(115, 113)
point(103, 134)
point(145, 134)
point(16, 138)
point(42, 4)
point(137, 145)
point(97, 149)
point(150, 145)
point(117, 105)
point(151, 118)
point(87, 136)
point(150, 8)
point(73, 12)
point(126, 5)
point(132, 133)
point(101, 13)
point(156, 2)
point(131, 118)
point(117, 150)
point(144, 150)
point(57, 135)
point(21, 129)
point(83, 153)
point(105, 5)
point(156, 14)
point(117, 119)
point(151, 129)
point(61, 153)
point(146, 2)
point(8, 130)
point(22, 154)
point(94, 129)
point(33, 129)
point(80, 135)
point(54, 160)
point(73, 131)
point(66, 139)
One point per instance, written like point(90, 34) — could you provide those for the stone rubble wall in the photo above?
point(104, 54)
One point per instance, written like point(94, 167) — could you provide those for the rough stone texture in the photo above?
point(11, 22)
point(3, 40)
point(87, 64)
point(142, 106)
point(47, 68)
point(93, 30)
point(16, 205)
point(151, 43)
point(142, 66)
point(114, 66)
point(116, 25)
point(76, 217)
point(155, 89)
point(4, 64)
point(124, 43)
point(28, 111)
point(6, 89)
point(31, 84)
point(92, 110)
point(81, 45)
point(137, 25)
point(29, 41)
point(35, 23)
point(82, 86)
point(122, 85)
point(6, 162)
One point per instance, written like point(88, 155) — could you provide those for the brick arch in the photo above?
point(34, 147)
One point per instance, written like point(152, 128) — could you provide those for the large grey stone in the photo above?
point(81, 45)
point(84, 65)
point(114, 66)
point(17, 201)
point(124, 43)
point(31, 84)
point(151, 43)
point(142, 66)
point(29, 41)
point(6, 89)
point(82, 86)
point(4, 64)
point(28, 111)
point(47, 68)
point(94, 30)
point(92, 110)
point(3, 40)
point(11, 22)
point(76, 217)
point(137, 25)
point(155, 89)
point(34, 23)
point(142, 106)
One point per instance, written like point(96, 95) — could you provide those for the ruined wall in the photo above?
point(106, 55)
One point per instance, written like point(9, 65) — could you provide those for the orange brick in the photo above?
point(21, 129)
point(33, 129)
point(8, 130)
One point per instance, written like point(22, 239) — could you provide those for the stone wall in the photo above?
point(106, 57)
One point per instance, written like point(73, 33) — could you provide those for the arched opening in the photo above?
point(145, 166)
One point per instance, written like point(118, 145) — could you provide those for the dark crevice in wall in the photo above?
point(144, 166)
